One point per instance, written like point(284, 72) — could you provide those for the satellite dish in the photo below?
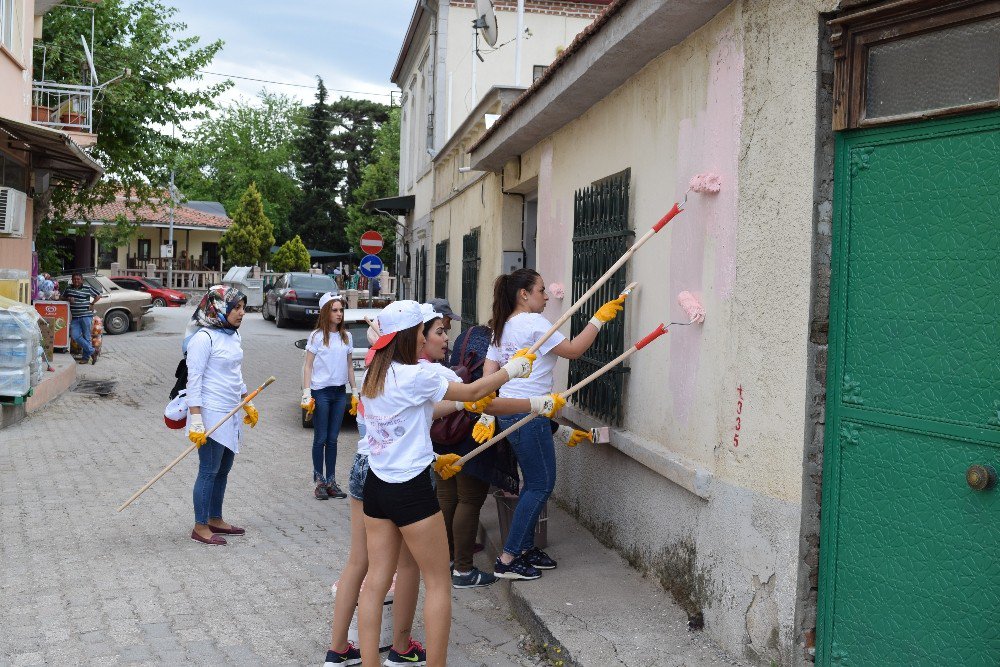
point(486, 23)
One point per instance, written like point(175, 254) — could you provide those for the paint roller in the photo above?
point(705, 183)
point(696, 314)
point(192, 447)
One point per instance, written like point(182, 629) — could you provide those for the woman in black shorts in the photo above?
point(399, 501)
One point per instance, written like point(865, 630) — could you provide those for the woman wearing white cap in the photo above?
point(325, 375)
point(399, 501)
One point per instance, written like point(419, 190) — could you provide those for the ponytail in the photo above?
point(505, 290)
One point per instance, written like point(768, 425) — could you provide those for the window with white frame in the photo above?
point(8, 29)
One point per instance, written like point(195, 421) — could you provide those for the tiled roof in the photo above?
point(147, 215)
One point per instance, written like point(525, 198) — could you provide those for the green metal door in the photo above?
point(909, 552)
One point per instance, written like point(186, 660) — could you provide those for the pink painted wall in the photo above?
point(703, 246)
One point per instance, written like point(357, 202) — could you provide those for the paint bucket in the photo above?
point(506, 504)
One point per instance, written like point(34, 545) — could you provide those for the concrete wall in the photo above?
point(715, 415)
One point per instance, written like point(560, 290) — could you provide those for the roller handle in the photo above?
point(667, 218)
point(653, 335)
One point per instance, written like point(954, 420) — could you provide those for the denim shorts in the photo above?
point(356, 482)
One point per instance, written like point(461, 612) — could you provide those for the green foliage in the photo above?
point(355, 130)
point(245, 143)
point(118, 233)
point(130, 115)
point(248, 241)
point(317, 217)
point(380, 178)
point(291, 256)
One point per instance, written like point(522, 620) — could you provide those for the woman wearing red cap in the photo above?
point(325, 375)
point(399, 501)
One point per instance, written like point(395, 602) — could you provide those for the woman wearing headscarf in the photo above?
point(215, 387)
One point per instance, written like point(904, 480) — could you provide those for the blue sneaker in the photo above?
point(415, 655)
point(473, 579)
point(538, 559)
point(351, 656)
point(518, 569)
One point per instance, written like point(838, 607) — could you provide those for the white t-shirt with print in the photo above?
point(520, 332)
point(440, 369)
point(330, 364)
point(398, 422)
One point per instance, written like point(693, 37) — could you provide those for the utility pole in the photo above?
point(170, 238)
point(519, 37)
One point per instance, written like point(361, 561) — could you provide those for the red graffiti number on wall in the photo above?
point(739, 412)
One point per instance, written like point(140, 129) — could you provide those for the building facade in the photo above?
point(827, 263)
point(36, 154)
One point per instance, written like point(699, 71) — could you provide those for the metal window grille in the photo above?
point(470, 278)
point(422, 286)
point(601, 235)
point(441, 270)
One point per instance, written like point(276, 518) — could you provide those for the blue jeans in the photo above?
point(79, 330)
point(327, 418)
point(214, 463)
point(536, 456)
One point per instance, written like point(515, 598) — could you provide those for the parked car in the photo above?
point(162, 296)
point(121, 309)
point(358, 327)
point(294, 297)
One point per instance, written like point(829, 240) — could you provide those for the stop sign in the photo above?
point(371, 242)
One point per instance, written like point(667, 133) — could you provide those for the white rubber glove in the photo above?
point(308, 403)
point(548, 405)
point(196, 430)
point(518, 367)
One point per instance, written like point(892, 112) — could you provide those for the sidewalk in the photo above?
point(595, 609)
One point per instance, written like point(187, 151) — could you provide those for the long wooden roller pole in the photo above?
point(607, 276)
point(193, 446)
point(653, 335)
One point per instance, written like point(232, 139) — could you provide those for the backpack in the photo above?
point(182, 373)
point(455, 428)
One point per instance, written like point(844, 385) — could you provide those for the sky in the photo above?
point(352, 44)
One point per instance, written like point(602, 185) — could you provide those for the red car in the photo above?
point(161, 295)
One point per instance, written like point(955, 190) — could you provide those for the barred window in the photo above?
point(441, 270)
point(470, 278)
point(601, 235)
point(422, 280)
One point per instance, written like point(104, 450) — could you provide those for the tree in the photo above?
point(137, 38)
point(356, 126)
point(317, 217)
point(292, 256)
point(248, 241)
point(245, 143)
point(379, 179)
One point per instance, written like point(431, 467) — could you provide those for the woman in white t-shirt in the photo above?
point(325, 375)
point(518, 301)
point(400, 505)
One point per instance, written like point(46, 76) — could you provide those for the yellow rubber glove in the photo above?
point(196, 430)
point(444, 465)
point(520, 364)
point(308, 403)
point(252, 415)
point(481, 404)
point(484, 428)
point(579, 436)
point(607, 312)
point(547, 406)
point(354, 406)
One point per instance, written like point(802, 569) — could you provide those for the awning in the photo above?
point(50, 149)
point(392, 205)
point(323, 255)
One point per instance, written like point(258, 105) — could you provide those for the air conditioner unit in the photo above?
point(13, 204)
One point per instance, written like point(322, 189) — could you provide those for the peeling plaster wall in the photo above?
point(725, 402)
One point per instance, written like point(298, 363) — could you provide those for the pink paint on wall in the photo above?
point(553, 231)
point(708, 143)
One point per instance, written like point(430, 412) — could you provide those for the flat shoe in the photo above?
point(232, 530)
point(214, 540)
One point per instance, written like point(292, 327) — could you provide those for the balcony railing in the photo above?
point(63, 106)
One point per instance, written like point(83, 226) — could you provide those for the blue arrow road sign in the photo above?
point(371, 266)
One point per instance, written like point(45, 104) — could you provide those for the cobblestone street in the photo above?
point(83, 584)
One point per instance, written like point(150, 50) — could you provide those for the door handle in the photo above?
point(981, 477)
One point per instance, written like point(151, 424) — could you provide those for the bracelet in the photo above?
point(596, 322)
